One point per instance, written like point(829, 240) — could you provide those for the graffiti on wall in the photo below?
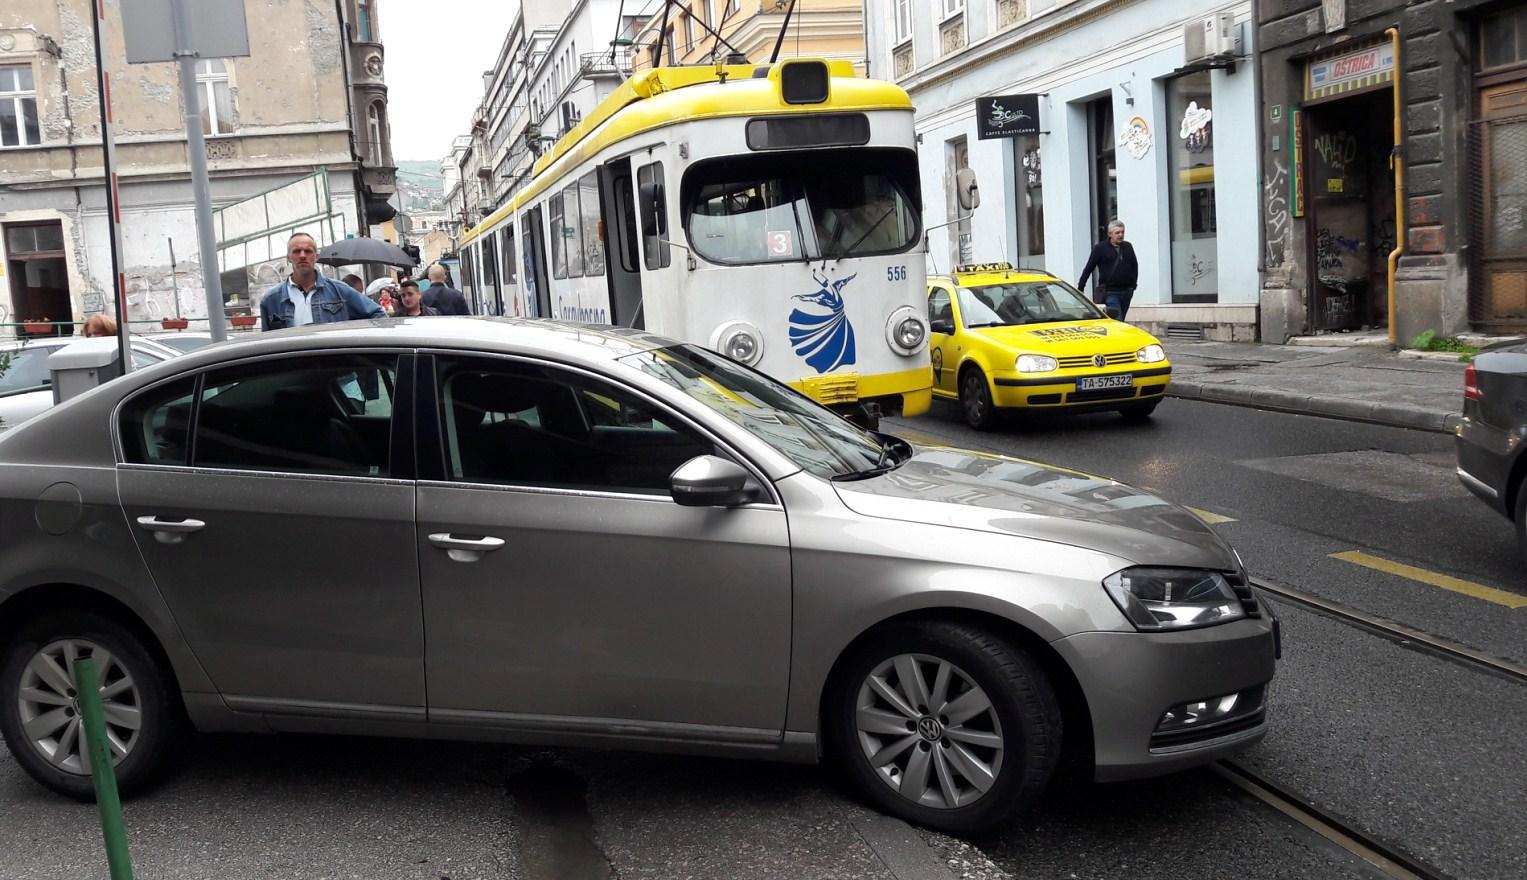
point(1280, 230)
point(1338, 149)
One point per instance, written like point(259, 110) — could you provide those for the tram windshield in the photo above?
point(789, 207)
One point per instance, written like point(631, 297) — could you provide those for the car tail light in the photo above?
point(1471, 384)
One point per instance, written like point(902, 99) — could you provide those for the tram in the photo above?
point(771, 213)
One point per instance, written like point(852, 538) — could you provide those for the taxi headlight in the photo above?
point(1035, 363)
point(905, 331)
point(1151, 354)
point(1156, 599)
point(739, 341)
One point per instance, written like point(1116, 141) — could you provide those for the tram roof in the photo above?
point(666, 95)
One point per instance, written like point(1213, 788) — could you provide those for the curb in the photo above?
point(1394, 415)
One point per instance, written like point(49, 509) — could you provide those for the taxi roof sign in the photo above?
point(971, 268)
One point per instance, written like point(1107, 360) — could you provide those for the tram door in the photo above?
point(533, 247)
point(618, 208)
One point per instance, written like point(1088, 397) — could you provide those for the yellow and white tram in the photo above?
point(771, 213)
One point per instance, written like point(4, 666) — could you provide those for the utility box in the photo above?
point(80, 366)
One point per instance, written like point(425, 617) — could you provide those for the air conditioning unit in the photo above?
point(1213, 36)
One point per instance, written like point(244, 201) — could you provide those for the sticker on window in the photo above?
point(781, 243)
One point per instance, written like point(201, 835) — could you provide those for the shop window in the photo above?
point(18, 107)
point(1031, 200)
point(956, 157)
point(1190, 132)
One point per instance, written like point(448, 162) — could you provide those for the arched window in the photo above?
point(214, 95)
point(375, 133)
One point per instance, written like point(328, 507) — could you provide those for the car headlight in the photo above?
point(1156, 599)
point(906, 331)
point(1151, 354)
point(1035, 363)
point(739, 341)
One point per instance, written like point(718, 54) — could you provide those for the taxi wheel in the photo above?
point(943, 724)
point(975, 400)
point(1139, 412)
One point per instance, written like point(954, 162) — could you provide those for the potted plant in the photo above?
point(174, 323)
point(242, 320)
point(41, 326)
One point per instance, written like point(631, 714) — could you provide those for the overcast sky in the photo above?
point(436, 53)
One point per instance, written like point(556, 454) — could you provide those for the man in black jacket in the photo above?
point(441, 297)
point(1118, 270)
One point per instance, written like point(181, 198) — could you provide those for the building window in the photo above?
point(689, 31)
point(1031, 201)
point(363, 20)
point(216, 97)
point(1503, 39)
point(953, 7)
point(18, 107)
point(1190, 131)
point(374, 134)
point(903, 20)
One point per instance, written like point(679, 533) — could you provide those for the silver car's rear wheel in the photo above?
point(50, 707)
point(146, 723)
point(929, 731)
point(943, 723)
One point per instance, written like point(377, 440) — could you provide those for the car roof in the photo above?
point(980, 279)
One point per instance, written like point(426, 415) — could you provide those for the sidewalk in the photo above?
point(1360, 382)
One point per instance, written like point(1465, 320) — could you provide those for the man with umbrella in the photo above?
point(308, 297)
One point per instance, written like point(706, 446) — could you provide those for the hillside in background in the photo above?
point(422, 174)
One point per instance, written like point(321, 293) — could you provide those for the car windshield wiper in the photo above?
point(894, 452)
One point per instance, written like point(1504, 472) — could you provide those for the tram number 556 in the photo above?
point(896, 273)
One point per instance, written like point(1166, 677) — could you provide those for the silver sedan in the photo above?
point(554, 534)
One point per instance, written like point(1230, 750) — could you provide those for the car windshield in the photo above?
point(810, 435)
point(776, 209)
point(26, 370)
point(1023, 302)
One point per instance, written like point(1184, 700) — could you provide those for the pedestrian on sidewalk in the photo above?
point(441, 296)
point(413, 302)
point(1118, 270)
point(307, 297)
point(100, 325)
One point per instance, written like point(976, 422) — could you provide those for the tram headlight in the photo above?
point(906, 331)
point(739, 341)
point(1156, 599)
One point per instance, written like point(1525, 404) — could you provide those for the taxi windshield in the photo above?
point(1023, 302)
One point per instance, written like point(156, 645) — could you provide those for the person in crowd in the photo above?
point(100, 325)
point(412, 302)
point(356, 282)
point(442, 297)
point(1118, 270)
point(307, 297)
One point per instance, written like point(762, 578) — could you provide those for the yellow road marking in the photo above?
point(1210, 517)
point(921, 438)
point(1456, 585)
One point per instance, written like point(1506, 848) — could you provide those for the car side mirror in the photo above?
point(966, 191)
point(653, 220)
point(1113, 312)
point(710, 481)
point(944, 327)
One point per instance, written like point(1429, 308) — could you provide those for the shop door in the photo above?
point(1351, 197)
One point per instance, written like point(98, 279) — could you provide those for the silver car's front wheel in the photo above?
point(945, 724)
point(40, 709)
point(929, 731)
point(50, 707)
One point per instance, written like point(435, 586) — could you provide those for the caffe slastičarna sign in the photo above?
point(1002, 116)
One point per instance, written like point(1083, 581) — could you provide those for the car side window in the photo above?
point(329, 414)
point(522, 425)
point(938, 306)
point(156, 424)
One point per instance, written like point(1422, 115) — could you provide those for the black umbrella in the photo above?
point(365, 250)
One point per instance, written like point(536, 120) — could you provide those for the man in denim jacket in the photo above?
point(309, 298)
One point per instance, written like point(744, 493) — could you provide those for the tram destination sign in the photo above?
point(1001, 116)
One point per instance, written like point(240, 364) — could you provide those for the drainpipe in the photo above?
point(1397, 164)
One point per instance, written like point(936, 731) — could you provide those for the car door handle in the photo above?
point(465, 549)
point(170, 531)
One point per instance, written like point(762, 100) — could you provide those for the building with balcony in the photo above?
point(308, 102)
point(686, 32)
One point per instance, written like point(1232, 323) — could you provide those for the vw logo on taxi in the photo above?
point(1099, 361)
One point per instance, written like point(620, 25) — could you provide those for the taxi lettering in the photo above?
point(1069, 332)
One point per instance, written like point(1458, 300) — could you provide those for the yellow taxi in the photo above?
point(1019, 339)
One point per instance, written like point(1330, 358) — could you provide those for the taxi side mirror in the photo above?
point(940, 326)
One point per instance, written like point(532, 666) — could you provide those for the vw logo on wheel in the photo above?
point(1099, 361)
point(929, 729)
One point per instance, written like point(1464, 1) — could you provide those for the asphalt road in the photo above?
point(1413, 750)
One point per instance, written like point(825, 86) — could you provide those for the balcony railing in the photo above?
point(604, 64)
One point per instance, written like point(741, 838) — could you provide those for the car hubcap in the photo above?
point(50, 708)
point(929, 731)
point(974, 404)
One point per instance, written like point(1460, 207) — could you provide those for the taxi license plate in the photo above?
point(1095, 383)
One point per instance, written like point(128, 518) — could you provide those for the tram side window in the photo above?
point(593, 244)
point(655, 254)
point(572, 231)
point(506, 244)
point(558, 242)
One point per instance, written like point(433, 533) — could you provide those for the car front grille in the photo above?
point(1084, 361)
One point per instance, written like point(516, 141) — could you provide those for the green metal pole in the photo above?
point(87, 685)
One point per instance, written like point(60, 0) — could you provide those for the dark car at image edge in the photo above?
point(1493, 433)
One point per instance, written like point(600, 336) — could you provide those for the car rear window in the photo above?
point(26, 370)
